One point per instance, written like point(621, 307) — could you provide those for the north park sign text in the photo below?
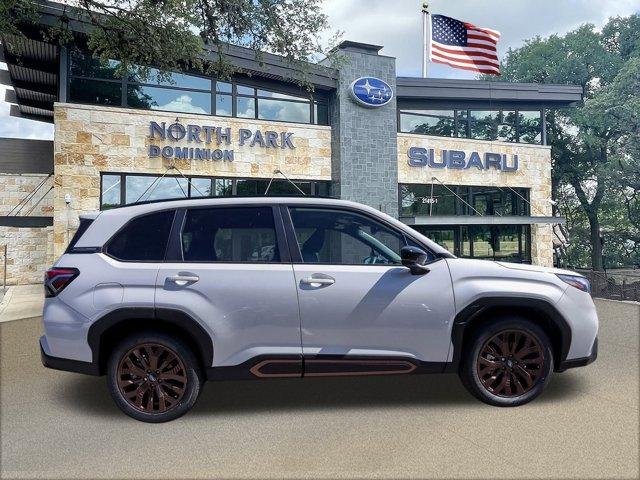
point(207, 134)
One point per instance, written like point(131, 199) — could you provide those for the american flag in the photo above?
point(463, 45)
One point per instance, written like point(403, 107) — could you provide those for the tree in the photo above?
point(594, 146)
point(172, 35)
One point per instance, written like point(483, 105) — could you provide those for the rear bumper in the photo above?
point(68, 365)
point(582, 361)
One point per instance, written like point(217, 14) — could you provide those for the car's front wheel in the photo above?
point(153, 377)
point(508, 363)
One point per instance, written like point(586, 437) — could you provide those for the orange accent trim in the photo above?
point(410, 367)
point(256, 369)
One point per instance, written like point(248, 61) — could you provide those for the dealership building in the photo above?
point(464, 162)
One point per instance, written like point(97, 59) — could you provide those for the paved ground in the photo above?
point(22, 301)
point(62, 425)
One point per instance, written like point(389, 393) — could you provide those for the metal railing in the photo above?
point(614, 285)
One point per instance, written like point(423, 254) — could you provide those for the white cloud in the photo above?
point(397, 25)
point(184, 103)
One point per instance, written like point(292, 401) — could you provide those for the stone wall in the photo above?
point(92, 139)
point(15, 188)
point(29, 250)
point(29, 253)
point(534, 173)
point(364, 139)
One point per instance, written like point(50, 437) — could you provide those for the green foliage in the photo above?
point(172, 35)
point(596, 147)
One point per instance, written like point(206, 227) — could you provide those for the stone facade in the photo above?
point(91, 139)
point(534, 173)
point(364, 139)
point(29, 250)
point(15, 188)
point(29, 253)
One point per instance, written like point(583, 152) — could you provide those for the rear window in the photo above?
point(143, 239)
point(236, 235)
point(84, 224)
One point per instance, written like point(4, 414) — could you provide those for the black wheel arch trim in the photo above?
point(475, 309)
point(174, 317)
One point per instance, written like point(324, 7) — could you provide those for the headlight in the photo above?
point(577, 281)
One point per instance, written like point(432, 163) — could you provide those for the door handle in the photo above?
point(183, 279)
point(318, 281)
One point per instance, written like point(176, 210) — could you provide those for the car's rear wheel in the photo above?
point(509, 362)
point(153, 377)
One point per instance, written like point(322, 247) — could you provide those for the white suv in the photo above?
point(161, 296)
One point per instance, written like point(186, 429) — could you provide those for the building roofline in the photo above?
point(413, 88)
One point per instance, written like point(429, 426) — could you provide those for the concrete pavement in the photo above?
point(22, 301)
point(63, 425)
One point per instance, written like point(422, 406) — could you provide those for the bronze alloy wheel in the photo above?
point(152, 378)
point(510, 362)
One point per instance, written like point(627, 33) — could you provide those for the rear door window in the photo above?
point(143, 239)
point(238, 235)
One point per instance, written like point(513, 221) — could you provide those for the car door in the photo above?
point(361, 310)
point(232, 273)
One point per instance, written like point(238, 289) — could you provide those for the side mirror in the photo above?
point(414, 259)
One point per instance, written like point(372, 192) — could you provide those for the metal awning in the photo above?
point(481, 220)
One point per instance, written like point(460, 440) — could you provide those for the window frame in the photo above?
point(462, 129)
point(105, 247)
point(315, 186)
point(296, 254)
point(125, 82)
point(175, 252)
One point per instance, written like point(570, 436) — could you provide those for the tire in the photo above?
point(505, 375)
point(149, 394)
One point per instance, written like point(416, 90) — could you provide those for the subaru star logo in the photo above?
point(371, 92)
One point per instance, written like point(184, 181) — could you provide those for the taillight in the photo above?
point(57, 278)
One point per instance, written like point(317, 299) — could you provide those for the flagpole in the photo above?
point(426, 37)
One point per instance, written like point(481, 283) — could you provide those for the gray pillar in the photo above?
point(364, 140)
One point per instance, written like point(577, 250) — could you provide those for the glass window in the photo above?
point(321, 113)
point(224, 105)
point(242, 90)
point(141, 188)
point(223, 187)
point(283, 111)
point(445, 238)
point(344, 238)
point(428, 122)
point(323, 189)
point(200, 187)
point(230, 235)
point(83, 64)
point(95, 92)
point(529, 127)
point(157, 98)
point(152, 75)
point(483, 125)
point(506, 124)
point(416, 200)
point(224, 87)
point(111, 189)
point(462, 119)
point(245, 107)
point(143, 239)
point(267, 93)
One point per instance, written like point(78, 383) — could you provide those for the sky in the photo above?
point(397, 25)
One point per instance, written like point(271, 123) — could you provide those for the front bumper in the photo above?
point(582, 361)
point(66, 364)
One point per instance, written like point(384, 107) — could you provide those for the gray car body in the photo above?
point(251, 310)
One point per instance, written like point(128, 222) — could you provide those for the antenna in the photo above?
point(278, 171)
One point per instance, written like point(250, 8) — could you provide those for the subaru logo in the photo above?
point(371, 92)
